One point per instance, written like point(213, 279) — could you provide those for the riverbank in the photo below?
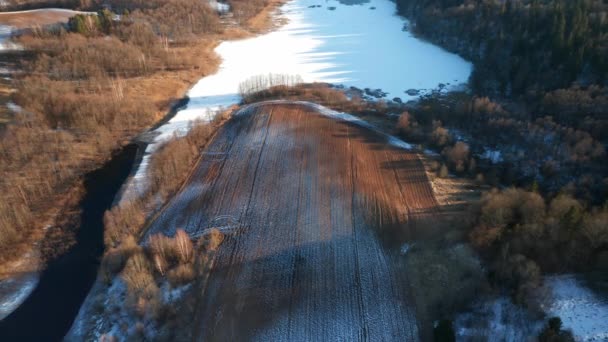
point(323, 43)
point(58, 287)
point(162, 89)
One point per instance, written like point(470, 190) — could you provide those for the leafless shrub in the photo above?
point(440, 136)
point(258, 83)
point(405, 122)
point(211, 241)
point(114, 259)
point(143, 293)
point(181, 275)
point(183, 246)
point(457, 156)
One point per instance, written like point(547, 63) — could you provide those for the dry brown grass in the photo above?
point(454, 192)
point(211, 241)
point(181, 275)
point(5, 94)
point(262, 21)
point(85, 152)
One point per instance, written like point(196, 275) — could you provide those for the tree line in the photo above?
point(519, 46)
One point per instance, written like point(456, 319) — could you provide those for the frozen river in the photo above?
point(351, 42)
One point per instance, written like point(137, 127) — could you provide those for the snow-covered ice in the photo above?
point(352, 45)
point(14, 291)
point(580, 309)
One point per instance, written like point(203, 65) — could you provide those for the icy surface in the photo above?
point(580, 309)
point(352, 45)
point(14, 291)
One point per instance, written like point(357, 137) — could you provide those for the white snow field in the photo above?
point(355, 45)
point(581, 310)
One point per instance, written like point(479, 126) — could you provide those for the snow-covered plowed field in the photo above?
point(37, 17)
point(314, 209)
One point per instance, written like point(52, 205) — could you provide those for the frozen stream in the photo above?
point(362, 45)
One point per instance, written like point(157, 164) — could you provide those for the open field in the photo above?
point(315, 211)
point(31, 18)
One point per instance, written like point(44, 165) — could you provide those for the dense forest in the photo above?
point(533, 127)
point(519, 46)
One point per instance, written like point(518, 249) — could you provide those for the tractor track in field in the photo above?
point(321, 207)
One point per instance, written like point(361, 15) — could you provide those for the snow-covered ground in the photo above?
point(497, 319)
point(14, 291)
point(580, 309)
point(363, 45)
point(5, 43)
point(219, 6)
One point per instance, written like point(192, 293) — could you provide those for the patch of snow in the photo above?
point(431, 152)
point(459, 135)
point(14, 107)
point(496, 319)
point(392, 140)
point(349, 45)
point(220, 7)
point(5, 44)
point(405, 248)
point(580, 309)
point(495, 156)
point(15, 291)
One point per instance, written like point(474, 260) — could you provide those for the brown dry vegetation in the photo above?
point(162, 264)
point(86, 93)
point(167, 170)
point(523, 234)
point(254, 14)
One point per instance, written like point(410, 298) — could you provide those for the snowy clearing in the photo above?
point(352, 45)
point(580, 309)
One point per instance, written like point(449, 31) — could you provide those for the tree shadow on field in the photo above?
point(304, 293)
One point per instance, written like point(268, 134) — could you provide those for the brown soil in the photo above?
point(27, 19)
point(315, 211)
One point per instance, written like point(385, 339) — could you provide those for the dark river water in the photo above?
point(48, 313)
